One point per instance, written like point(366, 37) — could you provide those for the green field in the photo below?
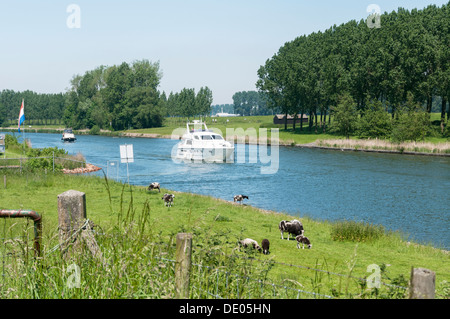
point(136, 233)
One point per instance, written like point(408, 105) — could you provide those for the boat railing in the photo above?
point(196, 123)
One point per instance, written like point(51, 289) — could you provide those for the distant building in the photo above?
point(279, 119)
point(226, 115)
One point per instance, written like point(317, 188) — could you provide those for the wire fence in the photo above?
point(213, 274)
point(216, 282)
point(47, 162)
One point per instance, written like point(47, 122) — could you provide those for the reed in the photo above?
point(356, 231)
point(376, 144)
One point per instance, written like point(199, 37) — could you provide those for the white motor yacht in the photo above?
point(68, 135)
point(201, 144)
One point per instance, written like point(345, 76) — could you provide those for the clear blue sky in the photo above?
point(219, 44)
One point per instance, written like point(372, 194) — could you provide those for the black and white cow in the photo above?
point(304, 241)
point(154, 185)
point(294, 227)
point(168, 199)
point(265, 244)
point(240, 198)
point(248, 242)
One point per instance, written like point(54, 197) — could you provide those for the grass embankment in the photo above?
point(136, 233)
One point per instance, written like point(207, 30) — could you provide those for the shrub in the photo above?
point(95, 130)
point(345, 116)
point(447, 130)
point(11, 141)
point(412, 123)
point(375, 122)
point(37, 158)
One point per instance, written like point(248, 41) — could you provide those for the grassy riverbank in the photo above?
point(136, 233)
point(175, 127)
point(312, 138)
point(442, 148)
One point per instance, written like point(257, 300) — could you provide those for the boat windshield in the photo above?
point(212, 137)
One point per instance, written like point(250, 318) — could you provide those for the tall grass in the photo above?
point(356, 231)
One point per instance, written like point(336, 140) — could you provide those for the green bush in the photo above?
point(95, 130)
point(412, 123)
point(447, 130)
point(37, 158)
point(11, 141)
point(48, 151)
point(375, 122)
point(411, 126)
point(345, 116)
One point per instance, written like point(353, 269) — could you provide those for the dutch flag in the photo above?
point(21, 116)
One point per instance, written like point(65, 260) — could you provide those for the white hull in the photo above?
point(68, 136)
point(208, 155)
point(202, 145)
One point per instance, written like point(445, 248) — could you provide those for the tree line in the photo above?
point(408, 56)
point(187, 103)
point(222, 108)
point(117, 97)
point(248, 103)
point(39, 108)
point(245, 103)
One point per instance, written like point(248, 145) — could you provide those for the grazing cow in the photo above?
point(154, 185)
point(304, 241)
point(168, 199)
point(247, 242)
point(240, 198)
point(265, 244)
point(293, 227)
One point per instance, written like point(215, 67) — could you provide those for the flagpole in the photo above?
point(22, 119)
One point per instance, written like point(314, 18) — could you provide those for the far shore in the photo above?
point(375, 146)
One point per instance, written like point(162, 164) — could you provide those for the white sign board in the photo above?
point(126, 153)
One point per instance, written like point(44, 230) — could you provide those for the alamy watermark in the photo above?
point(261, 148)
point(374, 19)
point(74, 19)
point(74, 279)
point(374, 280)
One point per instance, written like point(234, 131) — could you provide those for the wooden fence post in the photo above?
point(183, 265)
point(74, 229)
point(422, 284)
point(71, 215)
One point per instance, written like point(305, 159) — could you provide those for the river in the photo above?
point(403, 193)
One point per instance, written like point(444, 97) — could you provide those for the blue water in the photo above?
point(404, 193)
